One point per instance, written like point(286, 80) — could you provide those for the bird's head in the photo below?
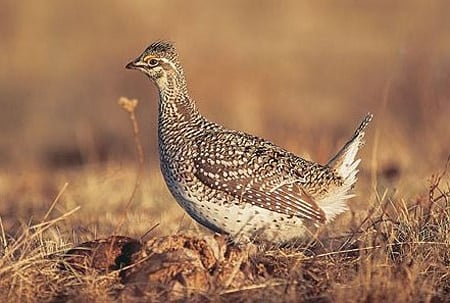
point(158, 61)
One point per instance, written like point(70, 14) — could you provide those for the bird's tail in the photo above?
point(344, 162)
point(346, 166)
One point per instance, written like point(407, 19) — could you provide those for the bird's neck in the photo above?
point(177, 110)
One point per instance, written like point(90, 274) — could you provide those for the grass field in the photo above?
point(301, 74)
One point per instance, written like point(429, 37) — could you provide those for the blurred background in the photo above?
point(300, 73)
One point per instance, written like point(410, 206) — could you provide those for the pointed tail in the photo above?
point(344, 162)
point(346, 166)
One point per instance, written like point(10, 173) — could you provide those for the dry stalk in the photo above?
point(129, 105)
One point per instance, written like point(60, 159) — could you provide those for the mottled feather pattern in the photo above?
point(257, 172)
point(236, 183)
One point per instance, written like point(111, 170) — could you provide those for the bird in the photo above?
point(235, 183)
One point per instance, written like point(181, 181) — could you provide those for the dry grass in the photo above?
point(398, 251)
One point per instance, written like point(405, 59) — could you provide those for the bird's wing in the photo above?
point(255, 171)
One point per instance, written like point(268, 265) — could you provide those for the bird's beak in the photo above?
point(135, 64)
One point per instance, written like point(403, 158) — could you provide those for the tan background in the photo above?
point(301, 73)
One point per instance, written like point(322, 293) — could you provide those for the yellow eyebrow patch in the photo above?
point(148, 57)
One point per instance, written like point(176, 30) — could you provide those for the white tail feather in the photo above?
point(346, 166)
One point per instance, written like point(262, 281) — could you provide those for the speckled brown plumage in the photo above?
point(236, 183)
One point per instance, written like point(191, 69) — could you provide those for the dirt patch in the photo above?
point(173, 266)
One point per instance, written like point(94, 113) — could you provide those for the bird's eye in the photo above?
point(152, 62)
